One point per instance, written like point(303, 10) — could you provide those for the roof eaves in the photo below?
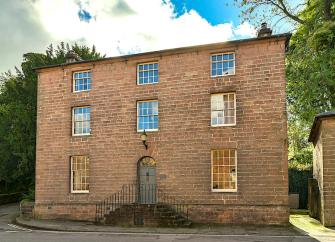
point(316, 124)
point(287, 36)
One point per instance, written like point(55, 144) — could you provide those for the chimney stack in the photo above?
point(71, 56)
point(264, 31)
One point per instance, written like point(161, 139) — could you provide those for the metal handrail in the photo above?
point(130, 195)
point(180, 207)
point(126, 196)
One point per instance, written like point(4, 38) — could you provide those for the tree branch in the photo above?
point(327, 9)
point(283, 8)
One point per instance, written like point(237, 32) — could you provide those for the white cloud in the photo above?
point(245, 30)
point(128, 26)
point(117, 27)
point(20, 32)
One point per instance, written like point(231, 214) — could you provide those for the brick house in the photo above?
point(322, 136)
point(212, 119)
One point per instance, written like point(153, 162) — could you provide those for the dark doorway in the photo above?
point(146, 171)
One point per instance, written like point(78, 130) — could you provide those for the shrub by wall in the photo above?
point(10, 198)
point(298, 183)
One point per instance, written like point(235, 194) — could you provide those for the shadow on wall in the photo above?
point(298, 183)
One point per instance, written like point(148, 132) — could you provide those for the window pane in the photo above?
point(81, 120)
point(223, 169)
point(223, 109)
point(147, 115)
point(213, 72)
point(226, 65)
point(148, 73)
point(82, 81)
point(222, 64)
point(80, 173)
point(140, 123)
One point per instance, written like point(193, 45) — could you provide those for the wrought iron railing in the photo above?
point(176, 205)
point(134, 194)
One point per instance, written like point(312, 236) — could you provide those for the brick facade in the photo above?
point(182, 146)
point(323, 138)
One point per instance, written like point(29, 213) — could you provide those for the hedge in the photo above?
point(298, 183)
point(10, 198)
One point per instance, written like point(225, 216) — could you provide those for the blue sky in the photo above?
point(116, 27)
point(214, 11)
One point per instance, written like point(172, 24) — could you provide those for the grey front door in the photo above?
point(147, 181)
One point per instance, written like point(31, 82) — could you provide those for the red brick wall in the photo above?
point(182, 146)
point(324, 169)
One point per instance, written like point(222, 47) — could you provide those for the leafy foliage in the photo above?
point(10, 198)
point(310, 73)
point(300, 153)
point(266, 10)
point(310, 65)
point(18, 95)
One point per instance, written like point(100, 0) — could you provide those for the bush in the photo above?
point(30, 195)
point(10, 198)
point(298, 183)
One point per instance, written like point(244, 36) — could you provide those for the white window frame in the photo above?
point(71, 176)
point(73, 123)
point(74, 81)
point(138, 73)
point(137, 115)
point(223, 53)
point(236, 172)
point(223, 125)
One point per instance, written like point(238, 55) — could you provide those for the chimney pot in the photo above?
point(264, 31)
point(71, 56)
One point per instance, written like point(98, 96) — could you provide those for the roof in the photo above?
point(316, 124)
point(285, 36)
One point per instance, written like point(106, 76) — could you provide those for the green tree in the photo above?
point(18, 96)
point(311, 67)
point(310, 62)
point(300, 153)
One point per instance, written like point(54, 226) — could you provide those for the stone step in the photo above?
point(163, 214)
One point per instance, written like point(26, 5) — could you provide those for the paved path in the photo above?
point(12, 233)
point(8, 213)
point(312, 227)
point(36, 236)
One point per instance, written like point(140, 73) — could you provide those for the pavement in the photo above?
point(58, 230)
point(8, 213)
point(75, 226)
point(312, 227)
